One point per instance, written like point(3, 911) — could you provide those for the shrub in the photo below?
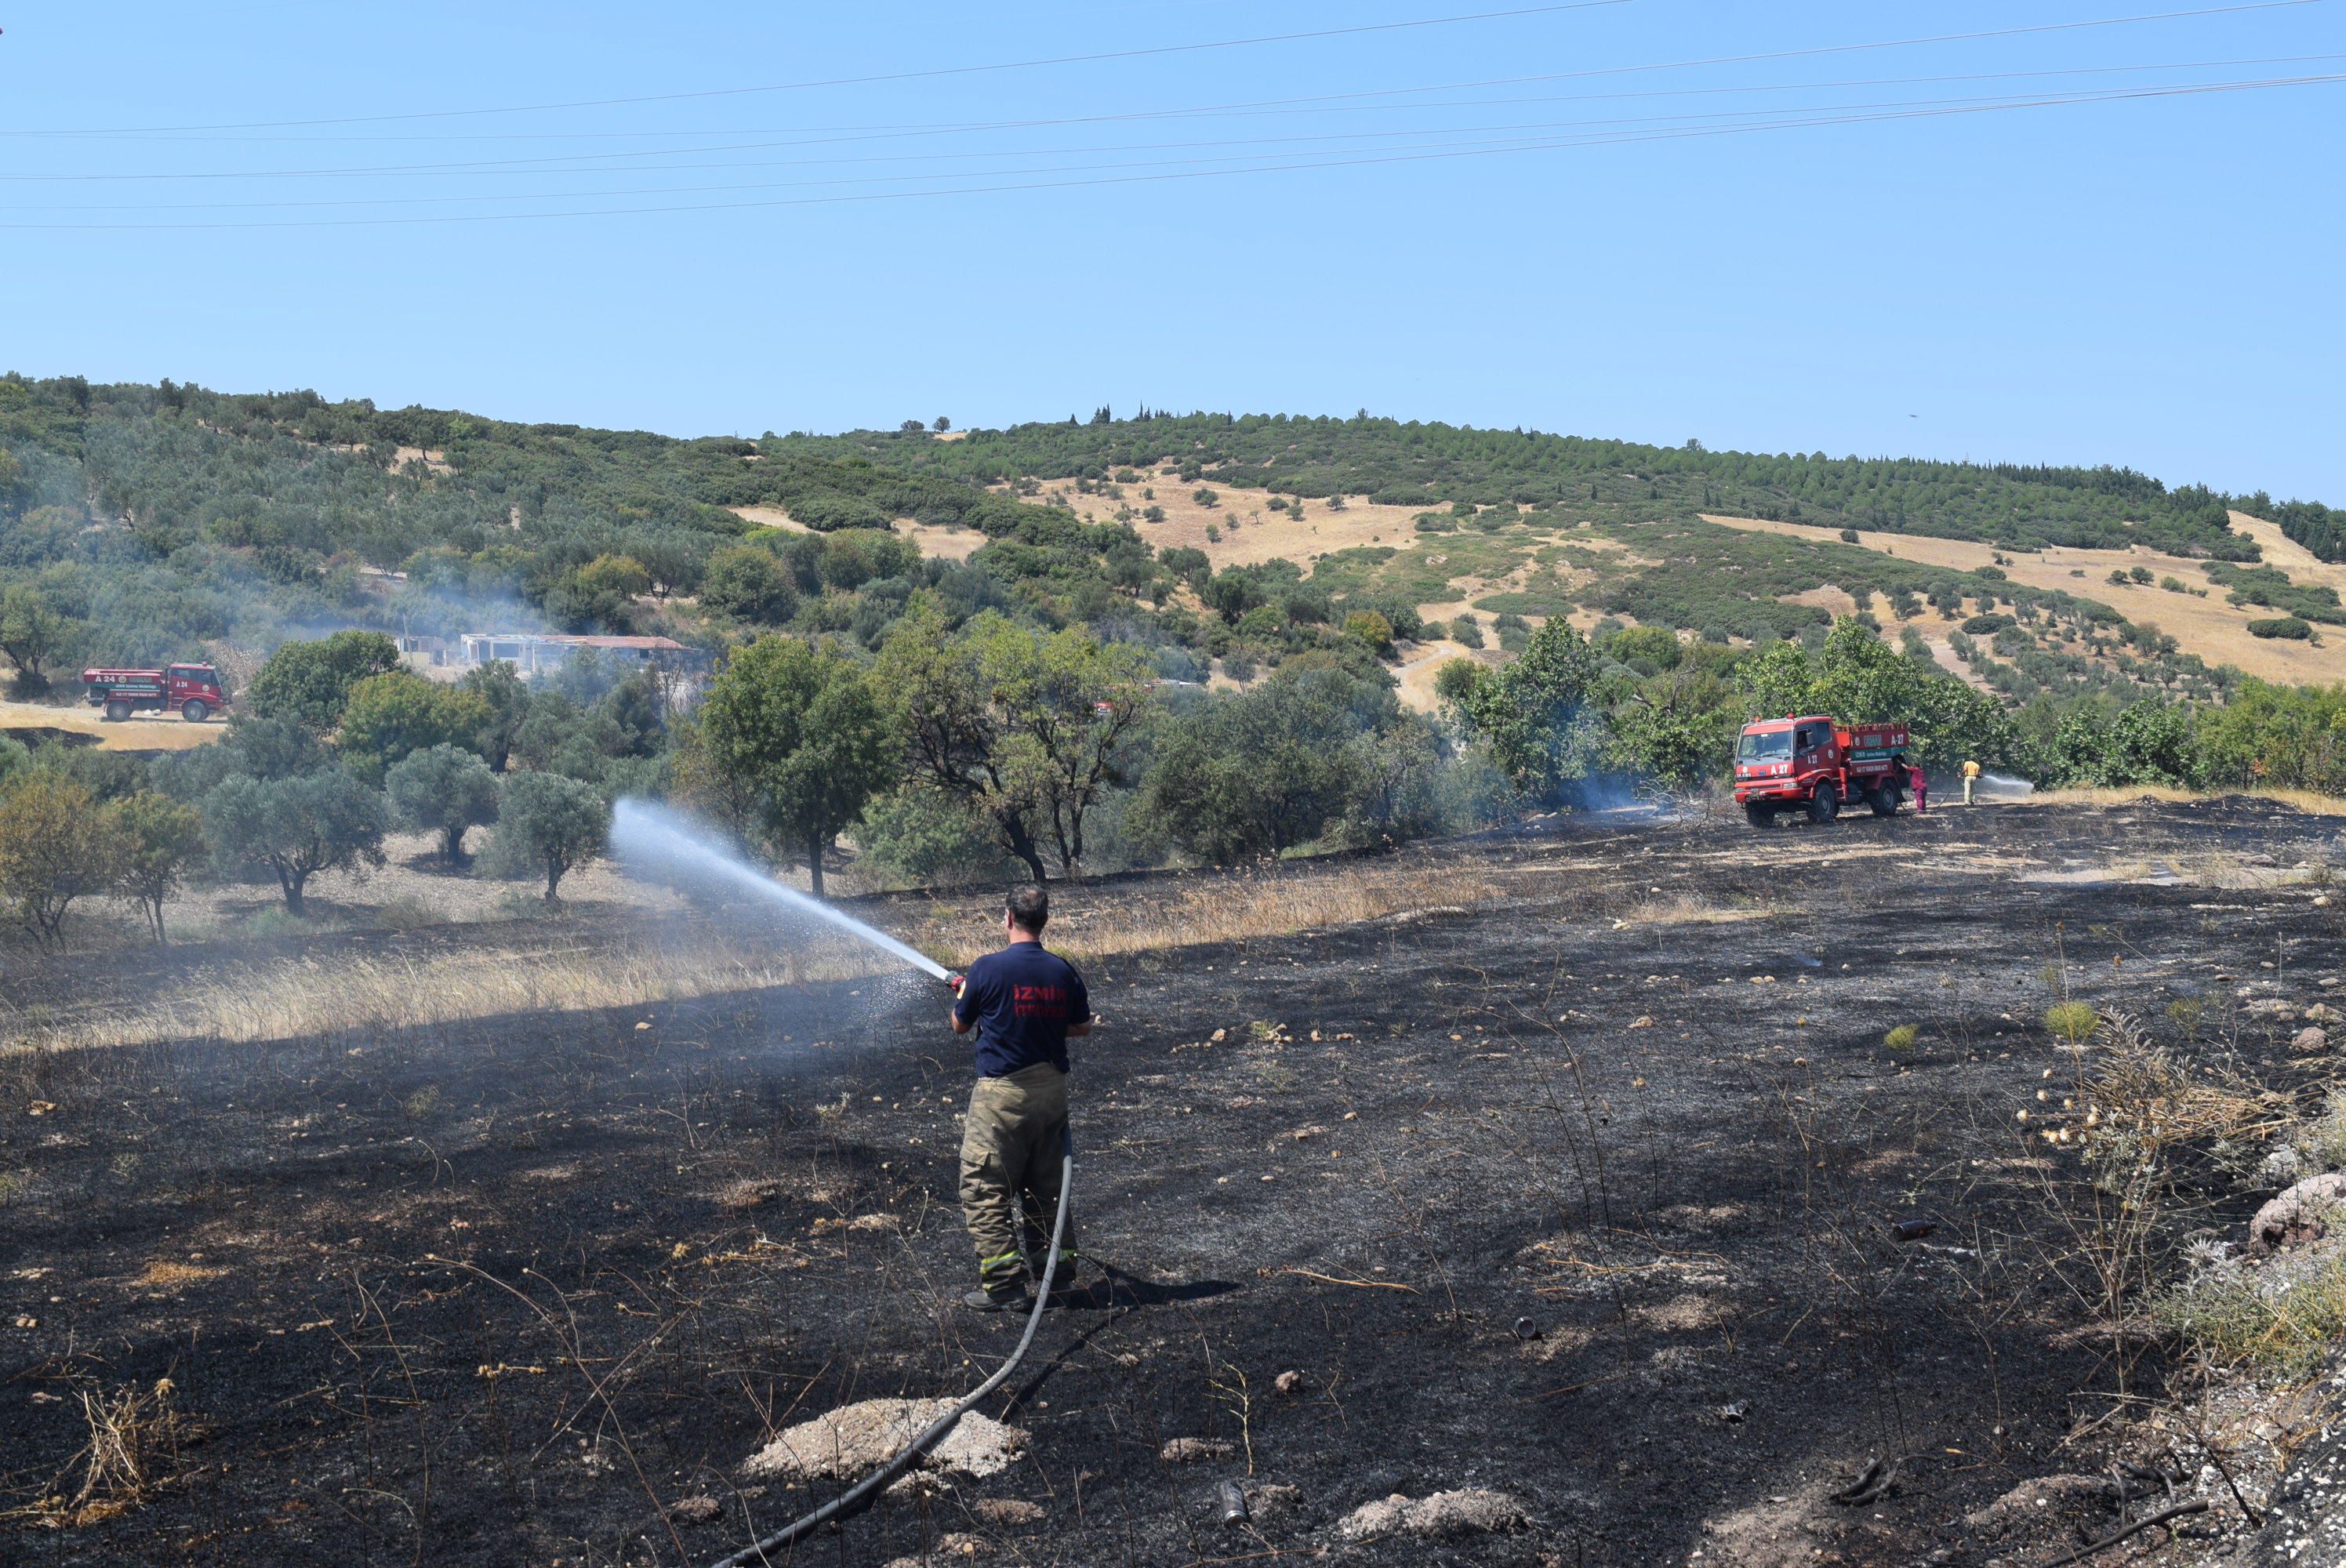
point(388, 718)
point(1205, 497)
point(749, 585)
point(1371, 628)
point(1456, 679)
point(1466, 631)
point(1901, 1039)
point(1988, 624)
point(309, 682)
point(2289, 628)
point(2286, 1314)
point(2072, 1020)
point(55, 846)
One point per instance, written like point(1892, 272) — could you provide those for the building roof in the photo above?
point(658, 644)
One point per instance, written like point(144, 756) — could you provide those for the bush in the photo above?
point(1901, 1039)
point(388, 718)
point(309, 682)
point(1456, 679)
point(55, 846)
point(2287, 627)
point(2286, 1314)
point(923, 836)
point(1466, 631)
point(1988, 624)
point(2071, 1021)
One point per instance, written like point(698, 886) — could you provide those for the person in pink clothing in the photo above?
point(1920, 787)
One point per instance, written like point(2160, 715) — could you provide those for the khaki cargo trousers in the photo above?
point(1010, 1154)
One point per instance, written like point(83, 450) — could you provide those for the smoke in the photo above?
point(655, 835)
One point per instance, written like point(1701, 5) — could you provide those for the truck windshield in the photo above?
point(1767, 744)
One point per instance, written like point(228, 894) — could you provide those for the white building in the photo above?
point(535, 651)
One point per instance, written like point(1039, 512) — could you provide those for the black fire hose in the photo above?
point(857, 1497)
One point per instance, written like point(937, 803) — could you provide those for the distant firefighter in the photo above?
point(1970, 777)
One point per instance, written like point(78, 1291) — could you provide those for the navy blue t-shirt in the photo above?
point(1022, 1000)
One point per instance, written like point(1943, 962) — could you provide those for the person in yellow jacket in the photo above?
point(1970, 777)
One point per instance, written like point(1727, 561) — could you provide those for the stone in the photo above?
point(1007, 1511)
point(2310, 1041)
point(1189, 1450)
point(1463, 1512)
point(1288, 1382)
point(694, 1510)
point(854, 1440)
point(2302, 1214)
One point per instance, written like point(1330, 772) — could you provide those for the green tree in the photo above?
point(801, 727)
point(499, 683)
point(749, 585)
point(1536, 717)
point(389, 717)
point(621, 576)
point(309, 682)
point(443, 790)
point(1066, 705)
point(550, 822)
point(1677, 729)
point(296, 827)
point(940, 704)
point(35, 635)
point(160, 838)
point(1257, 773)
point(56, 845)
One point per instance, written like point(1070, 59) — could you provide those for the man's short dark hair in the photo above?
point(1029, 907)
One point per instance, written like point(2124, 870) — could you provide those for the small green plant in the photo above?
point(1232, 1389)
point(418, 1104)
point(2184, 1012)
point(1901, 1039)
point(125, 1166)
point(1275, 1078)
point(1263, 1029)
point(2286, 1315)
point(7, 1187)
point(2072, 1020)
point(830, 1114)
point(2051, 976)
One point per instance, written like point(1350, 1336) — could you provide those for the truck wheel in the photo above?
point(1760, 816)
point(195, 712)
point(1884, 802)
point(1824, 805)
point(118, 710)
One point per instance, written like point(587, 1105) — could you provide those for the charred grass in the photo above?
point(1530, 1191)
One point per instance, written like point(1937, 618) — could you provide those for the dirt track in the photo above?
point(497, 1295)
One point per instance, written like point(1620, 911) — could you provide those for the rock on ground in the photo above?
point(1188, 1450)
point(2310, 1041)
point(848, 1442)
point(2301, 1214)
point(1444, 1514)
point(1007, 1511)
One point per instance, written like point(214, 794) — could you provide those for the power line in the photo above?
point(1294, 163)
point(1191, 48)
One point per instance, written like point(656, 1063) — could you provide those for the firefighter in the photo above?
point(1920, 787)
point(1024, 1003)
point(1970, 777)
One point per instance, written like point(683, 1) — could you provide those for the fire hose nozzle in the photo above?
point(956, 982)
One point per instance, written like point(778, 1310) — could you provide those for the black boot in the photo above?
point(995, 1301)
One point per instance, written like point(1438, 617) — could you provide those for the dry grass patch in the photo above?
point(289, 998)
point(170, 1275)
point(2302, 799)
point(1685, 909)
point(1178, 913)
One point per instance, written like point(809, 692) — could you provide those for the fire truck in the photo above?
point(194, 689)
point(1813, 764)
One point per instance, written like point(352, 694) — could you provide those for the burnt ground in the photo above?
point(501, 1293)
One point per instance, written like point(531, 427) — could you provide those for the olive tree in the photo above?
point(548, 821)
point(444, 789)
point(295, 826)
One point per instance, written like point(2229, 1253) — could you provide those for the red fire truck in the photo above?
point(1815, 763)
point(194, 689)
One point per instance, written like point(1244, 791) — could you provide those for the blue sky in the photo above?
point(1647, 218)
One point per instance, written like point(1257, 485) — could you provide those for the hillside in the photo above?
point(142, 523)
